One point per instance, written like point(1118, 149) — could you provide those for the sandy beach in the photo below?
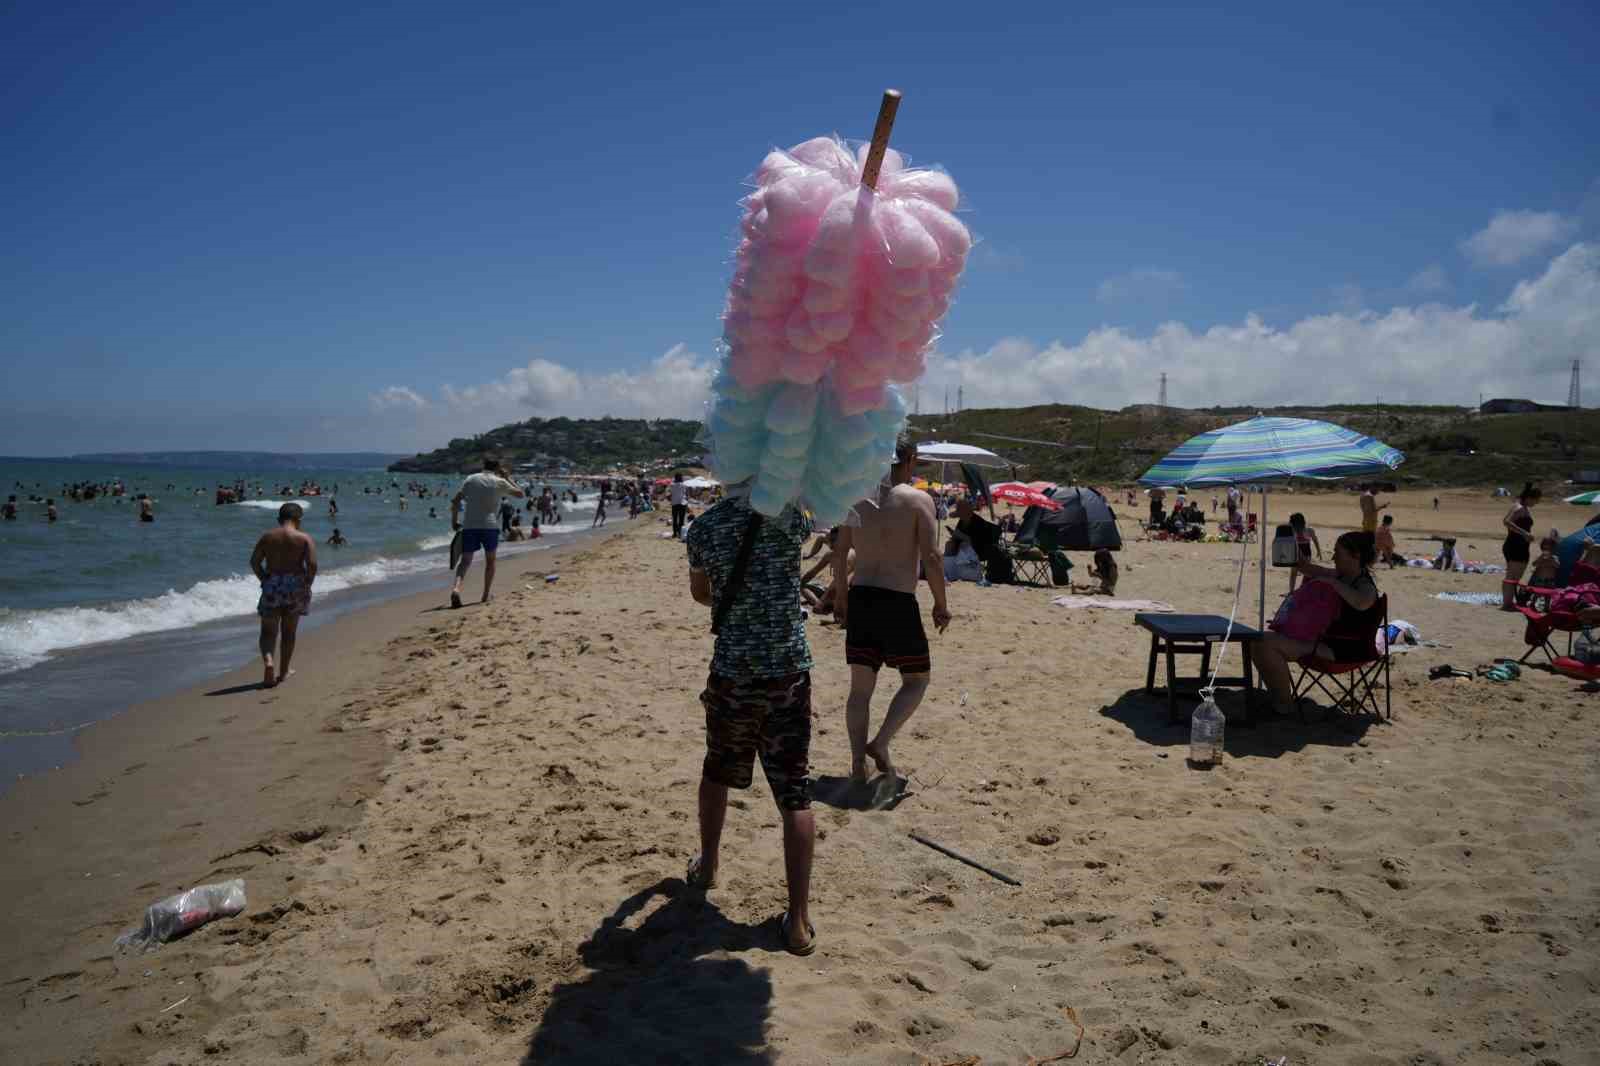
point(464, 834)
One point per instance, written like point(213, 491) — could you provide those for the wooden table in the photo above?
point(1194, 634)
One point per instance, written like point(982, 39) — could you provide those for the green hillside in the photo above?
point(571, 445)
point(1443, 445)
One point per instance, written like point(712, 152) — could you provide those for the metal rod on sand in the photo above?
point(956, 855)
point(880, 137)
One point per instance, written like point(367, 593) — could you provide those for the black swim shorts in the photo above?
point(769, 717)
point(884, 627)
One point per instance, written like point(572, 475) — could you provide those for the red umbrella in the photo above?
point(1022, 494)
point(1041, 486)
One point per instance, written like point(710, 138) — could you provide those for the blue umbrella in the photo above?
point(1263, 449)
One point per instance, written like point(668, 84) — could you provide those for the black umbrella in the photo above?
point(1084, 523)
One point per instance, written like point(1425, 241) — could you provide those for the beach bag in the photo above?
point(1060, 568)
point(1307, 612)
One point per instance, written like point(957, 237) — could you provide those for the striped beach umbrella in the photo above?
point(1261, 450)
point(1585, 498)
point(1272, 449)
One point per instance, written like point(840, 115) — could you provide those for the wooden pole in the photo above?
point(880, 137)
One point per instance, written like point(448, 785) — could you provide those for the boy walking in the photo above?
point(757, 698)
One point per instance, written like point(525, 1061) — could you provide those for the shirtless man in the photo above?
point(9, 510)
point(1370, 508)
point(147, 508)
point(285, 560)
point(880, 616)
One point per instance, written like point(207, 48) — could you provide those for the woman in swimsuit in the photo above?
point(1519, 538)
point(1350, 577)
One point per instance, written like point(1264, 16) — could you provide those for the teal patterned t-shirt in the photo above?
point(764, 634)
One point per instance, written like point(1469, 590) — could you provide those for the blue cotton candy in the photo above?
point(793, 409)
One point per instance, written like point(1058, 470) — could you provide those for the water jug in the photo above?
point(1285, 548)
point(1205, 735)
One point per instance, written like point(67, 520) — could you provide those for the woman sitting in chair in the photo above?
point(1353, 593)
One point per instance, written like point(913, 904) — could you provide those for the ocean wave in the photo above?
point(429, 544)
point(29, 637)
point(272, 505)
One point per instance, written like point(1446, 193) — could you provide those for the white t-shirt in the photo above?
point(678, 494)
point(481, 499)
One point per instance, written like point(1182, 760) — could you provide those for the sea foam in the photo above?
point(29, 637)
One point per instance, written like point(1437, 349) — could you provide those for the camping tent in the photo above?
point(1084, 523)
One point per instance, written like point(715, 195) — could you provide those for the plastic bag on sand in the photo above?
point(183, 913)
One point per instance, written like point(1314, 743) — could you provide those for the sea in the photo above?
point(99, 610)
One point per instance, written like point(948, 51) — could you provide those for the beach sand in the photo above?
point(508, 796)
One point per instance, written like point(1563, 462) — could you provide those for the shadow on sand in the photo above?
point(881, 793)
point(1146, 717)
point(664, 988)
point(253, 686)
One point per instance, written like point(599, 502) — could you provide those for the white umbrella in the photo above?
point(950, 452)
point(700, 483)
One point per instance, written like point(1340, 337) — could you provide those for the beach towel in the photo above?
point(1475, 598)
point(1105, 603)
point(1574, 598)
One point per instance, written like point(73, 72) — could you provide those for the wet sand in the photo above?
point(509, 797)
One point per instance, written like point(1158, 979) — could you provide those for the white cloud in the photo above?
point(1513, 236)
point(1141, 284)
point(397, 397)
point(1424, 354)
point(674, 385)
point(1427, 353)
point(1431, 280)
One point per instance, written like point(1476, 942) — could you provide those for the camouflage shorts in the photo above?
point(769, 717)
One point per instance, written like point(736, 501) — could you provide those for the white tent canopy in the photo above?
point(950, 452)
point(700, 483)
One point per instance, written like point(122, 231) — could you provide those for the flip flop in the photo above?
point(810, 945)
point(696, 878)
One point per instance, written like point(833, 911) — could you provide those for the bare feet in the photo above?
point(880, 756)
point(455, 599)
point(700, 875)
point(858, 772)
point(286, 675)
point(269, 675)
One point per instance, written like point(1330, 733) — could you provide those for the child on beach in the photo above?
point(1105, 569)
point(1385, 543)
point(1306, 538)
point(1546, 566)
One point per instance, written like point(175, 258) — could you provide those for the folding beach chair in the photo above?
point(1029, 562)
point(1541, 626)
point(1352, 685)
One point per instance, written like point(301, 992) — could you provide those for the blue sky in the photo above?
point(292, 225)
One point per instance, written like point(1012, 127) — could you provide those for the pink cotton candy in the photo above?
point(837, 290)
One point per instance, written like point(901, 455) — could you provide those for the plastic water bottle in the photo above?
point(1205, 735)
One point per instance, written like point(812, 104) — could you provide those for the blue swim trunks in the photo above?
point(479, 539)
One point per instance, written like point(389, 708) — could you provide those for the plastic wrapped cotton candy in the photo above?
point(837, 292)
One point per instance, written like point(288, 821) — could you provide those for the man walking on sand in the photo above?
point(757, 698)
point(880, 616)
point(285, 561)
point(678, 496)
point(481, 528)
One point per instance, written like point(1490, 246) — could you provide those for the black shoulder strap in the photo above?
point(741, 563)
